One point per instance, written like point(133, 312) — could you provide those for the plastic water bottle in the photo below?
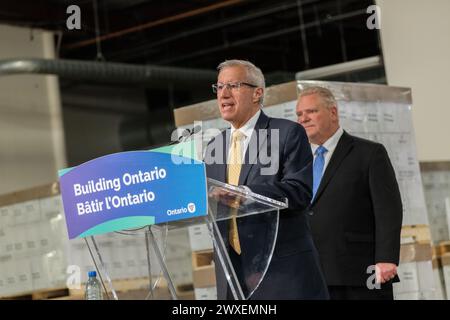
point(93, 287)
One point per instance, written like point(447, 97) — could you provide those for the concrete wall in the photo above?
point(415, 37)
point(31, 133)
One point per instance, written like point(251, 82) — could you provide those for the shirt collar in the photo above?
point(249, 126)
point(331, 143)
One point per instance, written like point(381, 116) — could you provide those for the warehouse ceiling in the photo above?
point(280, 36)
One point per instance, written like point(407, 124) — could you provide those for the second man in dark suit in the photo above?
point(356, 206)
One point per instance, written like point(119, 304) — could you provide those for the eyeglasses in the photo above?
point(218, 87)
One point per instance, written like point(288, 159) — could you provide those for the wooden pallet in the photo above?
point(126, 289)
point(443, 247)
point(418, 233)
point(39, 295)
point(137, 289)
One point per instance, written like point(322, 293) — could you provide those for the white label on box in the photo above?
point(10, 276)
point(409, 281)
point(51, 207)
point(18, 211)
point(199, 238)
point(31, 211)
point(23, 275)
point(39, 277)
point(6, 216)
point(209, 293)
point(19, 240)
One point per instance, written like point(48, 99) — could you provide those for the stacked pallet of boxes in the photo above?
point(37, 261)
point(416, 267)
point(203, 269)
point(436, 184)
point(32, 244)
point(125, 258)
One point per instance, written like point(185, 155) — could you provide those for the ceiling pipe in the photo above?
point(105, 71)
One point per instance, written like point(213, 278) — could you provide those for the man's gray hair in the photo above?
point(254, 74)
point(325, 94)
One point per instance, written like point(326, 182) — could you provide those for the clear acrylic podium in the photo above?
point(224, 202)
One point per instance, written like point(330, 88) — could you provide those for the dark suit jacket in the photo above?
point(357, 212)
point(294, 271)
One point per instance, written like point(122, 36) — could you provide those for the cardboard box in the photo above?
point(6, 216)
point(419, 233)
point(209, 293)
point(44, 191)
point(180, 269)
point(415, 252)
point(409, 279)
point(445, 259)
point(415, 277)
point(185, 292)
point(199, 238)
point(203, 273)
point(415, 271)
point(443, 248)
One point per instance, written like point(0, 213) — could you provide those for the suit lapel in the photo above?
point(343, 147)
point(251, 157)
point(221, 172)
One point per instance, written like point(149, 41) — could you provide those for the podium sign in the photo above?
point(130, 190)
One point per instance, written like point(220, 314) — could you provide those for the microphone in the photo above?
point(186, 134)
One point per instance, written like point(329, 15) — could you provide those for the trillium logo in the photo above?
point(191, 207)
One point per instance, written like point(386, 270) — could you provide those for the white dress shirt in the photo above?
point(247, 130)
point(330, 145)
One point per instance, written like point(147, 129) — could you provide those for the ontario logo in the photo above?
point(190, 208)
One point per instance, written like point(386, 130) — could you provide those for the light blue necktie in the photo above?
point(319, 163)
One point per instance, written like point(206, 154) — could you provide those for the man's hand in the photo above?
point(228, 198)
point(385, 272)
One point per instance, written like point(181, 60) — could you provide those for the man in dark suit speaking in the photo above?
point(356, 207)
point(236, 156)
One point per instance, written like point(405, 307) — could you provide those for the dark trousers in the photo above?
point(361, 293)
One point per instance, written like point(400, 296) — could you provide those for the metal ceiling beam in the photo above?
point(263, 36)
point(152, 24)
point(132, 53)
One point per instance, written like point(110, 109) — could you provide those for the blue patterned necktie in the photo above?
point(319, 163)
